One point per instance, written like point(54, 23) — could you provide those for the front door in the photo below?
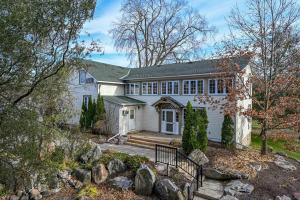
point(169, 122)
point(131, 121)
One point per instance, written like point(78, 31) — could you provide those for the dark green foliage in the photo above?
point(201, 124)
point(227, 131)
point(90, 113)
point(100, 110)
point(83, 116)
point(187, 137)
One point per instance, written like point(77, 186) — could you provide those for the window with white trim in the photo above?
point(212, 86)
point(219, 86)
point(170, 87)
point(86, 100)
point(190, 87)
point(132, 88)
point(149, 88)
point(200, 87)
point(82, 76)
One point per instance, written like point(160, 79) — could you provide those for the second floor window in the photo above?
point(132, 88)
point(149, 88)
point(212, 86)
point(219, 86)
point(86, 100)
point(82, 76)
point(169, 87)
point(190, 87)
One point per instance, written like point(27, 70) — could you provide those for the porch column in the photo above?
point(159, 120)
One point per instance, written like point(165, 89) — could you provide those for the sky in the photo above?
point(108, 11)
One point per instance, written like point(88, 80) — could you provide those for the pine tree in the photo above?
point(83, 116)
point(187, 137)
point(100, 110)
point(227, 131)
point(200, 124)
point(89, 118)
point(93, 113)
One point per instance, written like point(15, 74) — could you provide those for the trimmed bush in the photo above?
point(201, 124)
point(187, 137)
point(227, 131)
point(100, 109)
point(83, 116)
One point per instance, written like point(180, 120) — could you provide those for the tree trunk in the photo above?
point(263, 135)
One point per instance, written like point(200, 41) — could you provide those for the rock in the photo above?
point(14, 197)
point(187, 191)
point(281, 153)
point(199, 157)
point(99, 174)
point(34, 194)
point(236, 187)
point(116, 166)
point(166, 189)
point(144, 180)
point(64, 174)
point(228, 197)
point(296, 195)
point(78, 185)
point(24, 197)
point(122, 182)
point(83, 175)
point(218, 174)
point(280, 161)
point(283, 197)
point(256, 166)
point(94, 154)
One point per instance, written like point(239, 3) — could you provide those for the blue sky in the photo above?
point(107, 11)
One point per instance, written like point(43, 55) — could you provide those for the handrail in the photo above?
point(172, 156)
point(113, 137)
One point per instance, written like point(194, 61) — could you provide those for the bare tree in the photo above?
point(267, 31)
point(153, 32)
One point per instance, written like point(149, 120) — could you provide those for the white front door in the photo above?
point(169, 122)
point(131, 120)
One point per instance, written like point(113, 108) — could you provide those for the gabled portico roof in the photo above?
point(168, 100)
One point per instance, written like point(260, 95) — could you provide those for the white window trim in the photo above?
point(216, 87)
point(147, 84)
point(129, 85)
point(168, 88)
point(80, 71)
point(189, 87)
point(202, 86)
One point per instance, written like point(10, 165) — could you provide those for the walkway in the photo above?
point(149, 153)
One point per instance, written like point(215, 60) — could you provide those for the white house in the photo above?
point(154, 98)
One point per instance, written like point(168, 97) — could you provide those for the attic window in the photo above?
point(82, 76)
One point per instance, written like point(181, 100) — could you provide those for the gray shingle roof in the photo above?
point(179, 69)
point(123, 100)
point(105, 72)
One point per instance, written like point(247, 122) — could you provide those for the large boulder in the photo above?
point(34, 194)
point(83, 175)
point(165, 189)
point(122, 183)
point(94, 154)
point(228, 197)
point(116, 166)
point(283, 197)
point(144, 180)
point(218, 174)
point(281, 162)
point(199, 157)
point(236, 187)
point(99, 174)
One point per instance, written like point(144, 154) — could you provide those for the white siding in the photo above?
point(77, 91)
point(107, 89)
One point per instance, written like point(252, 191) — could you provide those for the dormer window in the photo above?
point(82, 76)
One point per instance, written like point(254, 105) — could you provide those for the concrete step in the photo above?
point(211, 190)
point(138, 141)
point(139, 145)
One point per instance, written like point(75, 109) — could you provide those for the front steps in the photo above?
point(211, 190)
point(147, 141)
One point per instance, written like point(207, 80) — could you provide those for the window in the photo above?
point(220, 86)
point(212, 86)
point(169, 87)
point(228, 85)
point(131, 114)
point(149, 88)
point(132, 88)
point(82, 76)
point(86, 100)
point(200, 87)
point(190, 87)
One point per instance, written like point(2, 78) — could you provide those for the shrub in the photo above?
point(83, 116)
point(201, 124)
point(89, 191)
point(227, 131)
point(100, 110)
point(187, 139)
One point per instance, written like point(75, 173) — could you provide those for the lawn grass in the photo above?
point(276, 145)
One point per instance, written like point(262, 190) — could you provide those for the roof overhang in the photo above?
point(168, 100)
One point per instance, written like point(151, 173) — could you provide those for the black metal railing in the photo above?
point(172, 156)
